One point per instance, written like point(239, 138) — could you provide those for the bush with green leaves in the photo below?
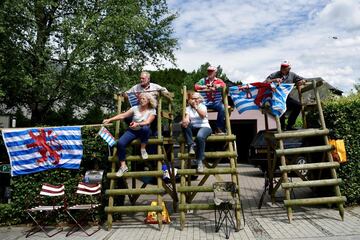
point(341, 117)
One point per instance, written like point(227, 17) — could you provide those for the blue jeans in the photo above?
point(143, 133)
point(201, 136)
point(219, 108)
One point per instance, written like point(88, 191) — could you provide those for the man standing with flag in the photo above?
point(292, 105)
point(211, 84)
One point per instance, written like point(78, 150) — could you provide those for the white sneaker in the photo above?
point(192, 150)
point(121, 171)
point(144, 154)
point(200, 167)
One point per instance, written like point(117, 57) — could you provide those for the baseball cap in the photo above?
point(212, 68)
point(285, 63)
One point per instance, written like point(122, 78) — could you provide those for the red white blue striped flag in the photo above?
point(107, 136)
point(33, 150)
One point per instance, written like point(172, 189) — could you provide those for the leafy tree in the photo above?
point(67, 54)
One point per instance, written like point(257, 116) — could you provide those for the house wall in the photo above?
point(245, 127)
point(249, 115)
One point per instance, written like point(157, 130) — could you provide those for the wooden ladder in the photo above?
point(134, 192)
point(279, 136)
point(187, 191)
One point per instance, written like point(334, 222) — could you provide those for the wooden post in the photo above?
point(326, 140)
point(284, 174)
point(119, 100)
point(182, 165)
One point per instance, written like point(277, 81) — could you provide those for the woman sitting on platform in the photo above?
point(196, 122)
point(142, 115)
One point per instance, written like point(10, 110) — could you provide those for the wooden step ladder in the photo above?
point(161, 156)
point(187, 190)
point(279, 136)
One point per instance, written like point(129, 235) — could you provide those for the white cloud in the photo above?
point(249, 38)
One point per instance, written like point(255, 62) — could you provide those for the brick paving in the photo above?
point(269, 222)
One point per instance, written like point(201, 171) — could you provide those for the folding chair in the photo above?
point(87, 209)
point(57, 194)
point(225, 202)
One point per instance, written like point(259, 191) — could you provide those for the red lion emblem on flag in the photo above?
point(48, 148)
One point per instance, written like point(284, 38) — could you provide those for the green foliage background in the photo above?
point(342, 117)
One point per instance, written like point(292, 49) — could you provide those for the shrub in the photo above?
point(342, 117)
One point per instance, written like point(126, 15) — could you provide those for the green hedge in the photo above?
point(342, 116)
point(26, 188)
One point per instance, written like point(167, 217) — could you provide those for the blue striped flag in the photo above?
point(38, 149)
point(245, 95)
point(133, 99)
point(107, 136)
point(211, 97)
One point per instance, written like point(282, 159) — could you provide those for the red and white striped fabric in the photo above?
point(52, 190)
point(88, 189)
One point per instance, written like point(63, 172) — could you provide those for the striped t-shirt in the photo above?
point(195, 118)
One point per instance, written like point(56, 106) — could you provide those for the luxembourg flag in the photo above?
point(38, 149)
point(245, 96)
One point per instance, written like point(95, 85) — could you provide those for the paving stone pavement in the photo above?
point(269, 222)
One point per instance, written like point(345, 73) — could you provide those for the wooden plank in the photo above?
point(303, 150)
point(211, 155)
point(195, 189)
point(137, 174)
point(152, 157)
point(301, 133)
point(127, 209)
point(312, 183)
point(214, 138)
point(207, 171)
point(314, 201)
point(309, 166)
point(132, 191)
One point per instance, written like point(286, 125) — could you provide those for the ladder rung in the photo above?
point(196, 206)
point(195, 189)
point(124, 209)
point(314, 201)
point(301, 133)
point(217, 170)
point(312, 183)
point(313, 149)
point(152, 140)
point(219, 154)
point(137, 174)
point(309, 166)
point(201, 206)
point(214, 138)
point(152, 157)
point(131, 191)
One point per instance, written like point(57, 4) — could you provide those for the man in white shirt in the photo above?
point(146, 86)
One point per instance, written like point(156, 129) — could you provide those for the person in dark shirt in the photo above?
point(292, 105)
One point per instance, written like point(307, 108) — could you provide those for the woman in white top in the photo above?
point(196, 122)
point(142, 115)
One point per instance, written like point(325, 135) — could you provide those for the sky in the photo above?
point(249, 39)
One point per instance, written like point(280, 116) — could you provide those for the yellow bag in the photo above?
point(339, 152)
point(152, 216)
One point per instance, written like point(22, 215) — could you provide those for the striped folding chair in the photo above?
point(85, 209)
point(56, 193)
